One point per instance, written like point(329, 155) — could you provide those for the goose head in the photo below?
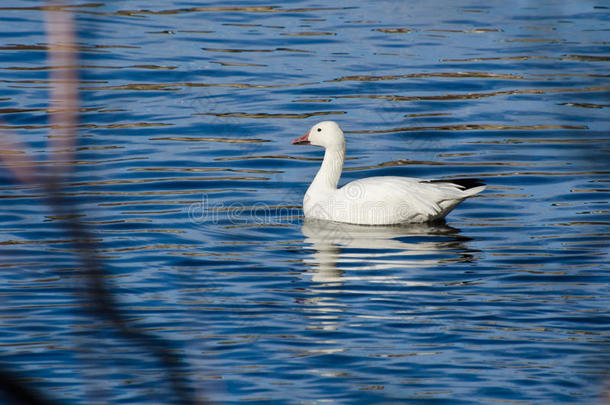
point(327, 134)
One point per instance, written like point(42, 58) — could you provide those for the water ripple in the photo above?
point(186, 178)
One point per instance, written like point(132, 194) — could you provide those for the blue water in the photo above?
point(186, 178)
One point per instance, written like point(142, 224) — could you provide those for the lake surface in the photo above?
point(187, 181)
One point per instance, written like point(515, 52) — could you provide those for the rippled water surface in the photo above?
point(186, 178)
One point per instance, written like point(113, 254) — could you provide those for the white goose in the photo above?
point(385, 200)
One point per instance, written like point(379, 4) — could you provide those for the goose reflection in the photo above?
point(344, 252)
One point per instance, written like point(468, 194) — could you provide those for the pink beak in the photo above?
point(303, 140)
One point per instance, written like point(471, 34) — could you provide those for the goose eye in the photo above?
point(319, 129)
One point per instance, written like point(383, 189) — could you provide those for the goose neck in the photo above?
point(330, 171)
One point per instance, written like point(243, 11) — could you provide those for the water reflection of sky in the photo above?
point(186, 176)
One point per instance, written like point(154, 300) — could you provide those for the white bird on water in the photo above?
point(383, 200)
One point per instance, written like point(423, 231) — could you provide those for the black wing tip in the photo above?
point(464, 183)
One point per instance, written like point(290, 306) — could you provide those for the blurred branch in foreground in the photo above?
point(99, 299)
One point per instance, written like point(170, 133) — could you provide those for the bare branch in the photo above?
point(64, 95)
